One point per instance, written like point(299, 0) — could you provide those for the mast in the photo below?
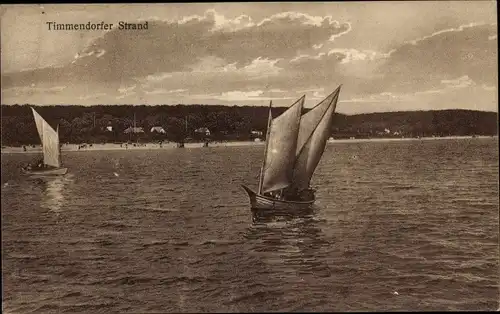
point(59, 144)
point(130, 134)
point(270, 118)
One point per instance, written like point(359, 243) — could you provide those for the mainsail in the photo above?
point(281, 148)
point(50, 141)
point(315, 127)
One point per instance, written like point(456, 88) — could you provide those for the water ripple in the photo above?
point(397, 226)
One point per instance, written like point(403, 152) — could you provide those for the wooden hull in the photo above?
point(261, 202)
point(47, 172)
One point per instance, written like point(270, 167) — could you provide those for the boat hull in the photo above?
point(47, 172)
point(261, 202)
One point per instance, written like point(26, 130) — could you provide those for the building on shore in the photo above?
point(203, 130)
point(157, 129)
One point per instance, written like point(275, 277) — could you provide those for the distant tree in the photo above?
point(88, 124)
point(175, 129)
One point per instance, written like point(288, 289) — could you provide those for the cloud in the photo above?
point(92, 96)
point(177, 46)
point(158, 77)
point(385, 97)
point(488, 88)
point(422, 64)
point(459, 93)
point(456, 52)
point(215, 75)
point(163, 91)
point(258, 67)
point(248, 60)
point(98, 53)
point(126, 95)
point(262, 66)
point(461, 28)
point(460, 82)
point(220, 22)
point(353, 55)
point(471, 97)
point(126, 89)
point(33, 89)
point(237, 96)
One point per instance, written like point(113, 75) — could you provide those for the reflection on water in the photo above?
point(290, 243)
point(53, 188)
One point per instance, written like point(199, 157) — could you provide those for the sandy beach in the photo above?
point(172, 145)
point(114, 146)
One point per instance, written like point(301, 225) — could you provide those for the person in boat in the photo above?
point(34, 166)
point(275, 194)
point(270, 194)
point(39, 165)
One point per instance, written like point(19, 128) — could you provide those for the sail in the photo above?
point(281, 147)
point(315, 128)
point(50, 141)
point(310, 120)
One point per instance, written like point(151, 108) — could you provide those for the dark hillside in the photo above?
point(79, 124)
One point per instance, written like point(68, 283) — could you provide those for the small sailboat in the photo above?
point(51, 163)
point(295, 143)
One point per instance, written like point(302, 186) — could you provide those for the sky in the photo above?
point(388, 56)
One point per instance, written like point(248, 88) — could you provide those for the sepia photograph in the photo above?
point(337, 156)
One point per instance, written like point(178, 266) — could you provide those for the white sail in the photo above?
point(310, 120)
point(50, 141)
point(281, 147)
point(315, 128)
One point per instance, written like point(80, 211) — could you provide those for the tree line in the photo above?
point(89, 124)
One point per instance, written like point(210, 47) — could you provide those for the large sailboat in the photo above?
point(295, 143)
point(51, 163)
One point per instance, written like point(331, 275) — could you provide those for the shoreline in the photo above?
point(172, 145)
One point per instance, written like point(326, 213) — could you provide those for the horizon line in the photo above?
point(241, 106)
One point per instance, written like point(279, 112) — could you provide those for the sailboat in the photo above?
point(295, 143)
point(49, 137)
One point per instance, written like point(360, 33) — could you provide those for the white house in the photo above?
point(157, 129)
point(203, 130)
